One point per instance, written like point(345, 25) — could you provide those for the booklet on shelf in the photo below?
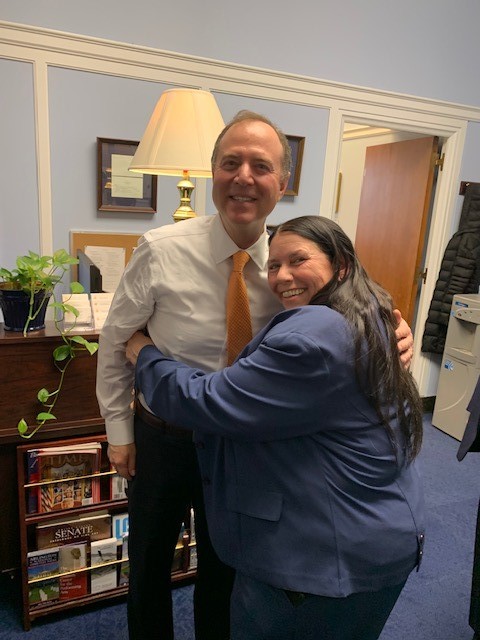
point(92, 526)
point(71, 466)
point(119, 525)
point(71, 558)
point(125, 564)
point(104, 577)
point(118, 487)
point(43, 564)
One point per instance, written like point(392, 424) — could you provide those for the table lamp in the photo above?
point(179, 141)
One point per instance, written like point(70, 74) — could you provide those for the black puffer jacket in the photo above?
point(459, 271)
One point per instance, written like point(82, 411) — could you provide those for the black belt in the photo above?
point(296, 597)
point(156, 422)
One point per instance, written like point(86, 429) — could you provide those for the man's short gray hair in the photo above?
point(244, 115)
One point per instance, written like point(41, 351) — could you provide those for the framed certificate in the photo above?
point(119, 189)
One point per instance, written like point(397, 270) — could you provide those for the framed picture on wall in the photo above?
point(119, 189)
point(296, 145)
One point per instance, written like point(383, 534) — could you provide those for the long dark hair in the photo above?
point(368, 309)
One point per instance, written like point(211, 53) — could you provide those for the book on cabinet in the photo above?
point(93, 526)
point(104, 553)
point(64, 477)
point(72, 557)
point(42, 572)
point(62, 549)
point(118, 487)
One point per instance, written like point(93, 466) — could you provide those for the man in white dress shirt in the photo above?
point(175, 285)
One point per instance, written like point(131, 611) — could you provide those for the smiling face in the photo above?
point(247, 176)
point(297, 269)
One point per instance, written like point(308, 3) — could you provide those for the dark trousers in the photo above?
point(474, 618)
point(262, 612)
point(167, 481)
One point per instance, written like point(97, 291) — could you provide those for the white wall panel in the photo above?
point(19, 226)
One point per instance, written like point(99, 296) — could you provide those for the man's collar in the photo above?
point(223, 246)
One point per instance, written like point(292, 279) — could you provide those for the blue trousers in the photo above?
point(166, 483)
point(262, 612)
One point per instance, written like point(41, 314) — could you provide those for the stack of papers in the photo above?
point(93, 310)
point(100, 306)
point(82, 303)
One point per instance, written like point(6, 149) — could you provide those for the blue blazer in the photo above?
point(302, 487)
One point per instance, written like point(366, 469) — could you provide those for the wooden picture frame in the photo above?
point(118, 189)
point(297, 144)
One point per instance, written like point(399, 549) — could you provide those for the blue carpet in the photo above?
point(433, 606)
point(97, 622)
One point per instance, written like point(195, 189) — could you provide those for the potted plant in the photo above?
point(25, 293)
point(26, 290)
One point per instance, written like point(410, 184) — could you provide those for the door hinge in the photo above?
point(439, 160)
point(423, 275)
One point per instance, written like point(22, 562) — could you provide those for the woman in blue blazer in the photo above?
point(307, 448)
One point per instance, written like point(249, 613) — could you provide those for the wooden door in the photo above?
point(393, 215)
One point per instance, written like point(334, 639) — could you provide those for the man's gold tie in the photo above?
point(239, 324)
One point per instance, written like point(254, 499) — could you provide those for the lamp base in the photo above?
point(184, 211)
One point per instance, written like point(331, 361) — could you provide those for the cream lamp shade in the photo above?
point(179, 139)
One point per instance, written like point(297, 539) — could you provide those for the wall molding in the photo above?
point(57, 48)
point(44, 48)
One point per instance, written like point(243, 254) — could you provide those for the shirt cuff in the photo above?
point(120, 432)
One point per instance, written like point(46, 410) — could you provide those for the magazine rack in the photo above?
point(24, 361)
point(31, 523)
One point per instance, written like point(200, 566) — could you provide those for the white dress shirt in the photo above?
point(175, 285)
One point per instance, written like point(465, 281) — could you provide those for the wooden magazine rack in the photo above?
point(29, 523)
point(23, 362)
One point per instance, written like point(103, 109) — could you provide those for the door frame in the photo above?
point(443, 217)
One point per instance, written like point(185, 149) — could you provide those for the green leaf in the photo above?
point(62, 353)
point(42, 417)
point(91, 347)
point(62, 258)
point(6, 274)
point(76, 287)
point(67, 308)
point(22, 427)
point(43, 395)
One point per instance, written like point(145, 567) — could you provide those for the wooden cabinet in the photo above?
point(26, 365)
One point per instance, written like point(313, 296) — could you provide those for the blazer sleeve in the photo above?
point(274, 392)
